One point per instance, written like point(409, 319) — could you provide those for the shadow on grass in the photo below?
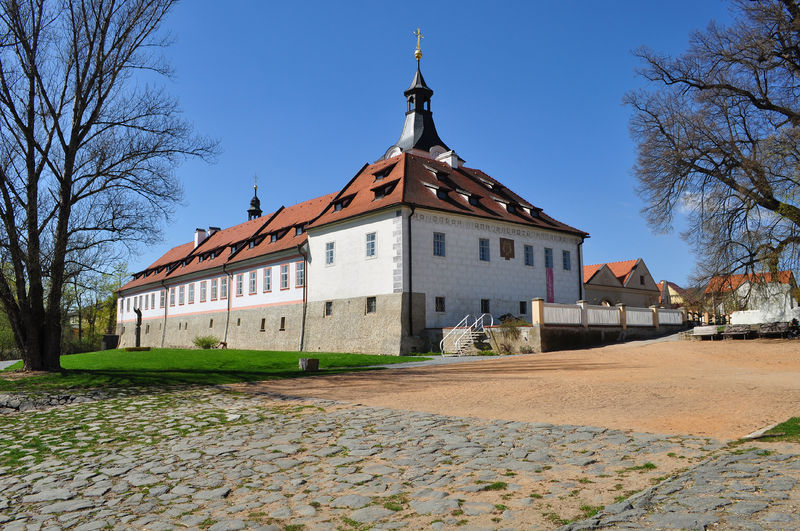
point(155, 378)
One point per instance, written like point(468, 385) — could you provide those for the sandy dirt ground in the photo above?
point(721, 389)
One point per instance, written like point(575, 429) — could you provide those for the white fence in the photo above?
point(582, 314)
point(602, 315)
point(670, 317)
point(563, 314)
point(639, 317)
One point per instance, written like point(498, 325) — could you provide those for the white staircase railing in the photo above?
point(463, 336)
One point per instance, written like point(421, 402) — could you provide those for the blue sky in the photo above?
point(303, 94)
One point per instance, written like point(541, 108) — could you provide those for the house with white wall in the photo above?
point(755, 297)
point(411, 244)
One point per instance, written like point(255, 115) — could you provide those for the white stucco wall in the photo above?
point(261, 298)
point(464, 280)
point(352, 273)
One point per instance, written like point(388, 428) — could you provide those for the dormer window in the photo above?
point(298, 230)
point(200, 258)
point(441, 194)
point(251, 244)
point(474, 200)
point(382, 191)
point(511, 209)
point(337, 206)
point(273, 237)
point(381, 174)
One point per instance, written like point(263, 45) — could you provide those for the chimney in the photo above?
point(212, 230)
point(450, 158)
point(199, 237)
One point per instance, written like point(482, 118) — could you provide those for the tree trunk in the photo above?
point(42, 350)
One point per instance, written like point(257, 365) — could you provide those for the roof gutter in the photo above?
point(228, 276)
point(166, 305)
point(410, 277)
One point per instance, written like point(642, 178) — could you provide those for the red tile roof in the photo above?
point(621, 270)
point(414, 180)
point(402, 180)
point(215, 250)
point(731, 282)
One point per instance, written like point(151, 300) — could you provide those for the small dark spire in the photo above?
point(255, 204)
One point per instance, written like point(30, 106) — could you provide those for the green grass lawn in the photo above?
point(170, 367)
point(790, 430)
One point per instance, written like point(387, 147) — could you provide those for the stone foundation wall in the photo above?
point(348, 329)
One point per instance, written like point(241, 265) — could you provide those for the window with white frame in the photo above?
point(239, 285)
point(213, 289)
point(300, 274)
point(146, 300)
point(172, 296)
point(153, 301)
point(548, 258)
point(268, 278)
point(483, 249)
point(285, 276)
point(223, 288)
point(129, 304)
point(191, 293)
point(181, 294)
point(253, 283)
point(566, 260)
point(162, 302)
point(121, 305)
point(528, 252)
point(203, 286)
point(329, 253)
point(438, 244)
point(370, 247)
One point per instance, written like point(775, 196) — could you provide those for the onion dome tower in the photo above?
point(255, 204)
point(419, 132)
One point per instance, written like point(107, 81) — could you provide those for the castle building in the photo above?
point(410, 245)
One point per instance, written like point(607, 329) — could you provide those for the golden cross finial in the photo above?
point(418, 52)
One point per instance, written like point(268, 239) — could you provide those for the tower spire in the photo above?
point(419, 133)
point(255, 204)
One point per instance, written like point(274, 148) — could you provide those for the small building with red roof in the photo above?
point(409, 245)
point(627, 282)
point(752, 298)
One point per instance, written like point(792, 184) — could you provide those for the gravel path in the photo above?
point(209, 458)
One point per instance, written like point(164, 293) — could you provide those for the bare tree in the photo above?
point(87, 150)
point(718, 139)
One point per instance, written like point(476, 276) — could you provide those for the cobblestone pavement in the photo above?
point(210, 458)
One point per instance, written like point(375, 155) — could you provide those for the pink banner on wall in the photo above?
point(550, 290)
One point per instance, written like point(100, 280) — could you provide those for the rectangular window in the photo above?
point(239, 285)
point(163, 302)
point(146, 301)
point(329, 253)
point(153, 301)
point(129, 304)
point(528, 250)
point(191, 293)
point(172, 296)
point(438, 244)
point(283, 324)
point(440, 307)
point(641, 280)
point(267, 278)
point(566, 260)
point(223, 288)
point(548, 258)
point(211, 323)
point(484, 305)
point(263, 324)
point(299, 274)
point(483, 249)
point(370, 249)
point(372, 304)
point(328, 308)
point(203, 291)
point(121, 305)
point(285, 276)
point(253, 282)
point(523, 307)
point(181, 294)
point(213, 289)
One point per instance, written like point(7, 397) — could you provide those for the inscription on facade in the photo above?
point(478, 226)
